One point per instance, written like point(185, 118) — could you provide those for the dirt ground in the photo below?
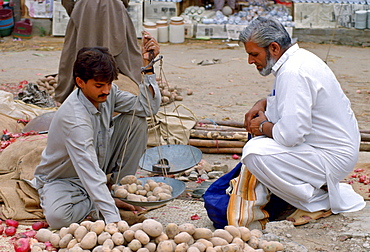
point(223, 91)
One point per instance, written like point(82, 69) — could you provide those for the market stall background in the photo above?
point(305, 20)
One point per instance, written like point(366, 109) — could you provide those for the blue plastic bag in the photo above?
point(216, 199)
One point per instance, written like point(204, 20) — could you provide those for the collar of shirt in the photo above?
point(87, 104)
point(284, 58)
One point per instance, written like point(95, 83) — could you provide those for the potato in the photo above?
point(245, 233)
point(187, 227)
point(171, 230)
point(126, 249)
point(248, 248)
point(137, 226)
point(108, 243)
point(98, 249)
point(218, 241)
point(103, 236)
point(205, 242)
point(161, 237)
point(86, 224)
point(165, 246)
point(273, 246)
point(37, 249)
point(129, 235)
point(134, 245)
point(200, 246)
point(182, 237)
point(153, 185)
point(231, 248)
point(141, 192)
point(182, 247)
point(118, 239)
point(151, 246)
point(121, 193)
point(147, 187)
point(234, 231)
point(238, 241)
point(257, 233)
point(210, 249)
point(63, 231)
point(63, 243)
point(142, 237)
point(204, 233)
point(143, 250)
point(80, 232)
point(164, 196)
point(89, 241)
point(75, 249)
point(119, 248)
point(132, 188)
point(54, 240)
point(111, 228)
point(152, 227)
point(72, 228)
point(97, 227)
point(223, 234)
point(43, 235)
point(152, 198)
point(253, 242)
point(193, 249)
point(71, 243)
point(128, 179)
point(134, 197)
point(122, 226)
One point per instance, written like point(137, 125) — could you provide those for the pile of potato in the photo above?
point(48, 84)
point(169, 93)
point(132, 189)
point(150, 236)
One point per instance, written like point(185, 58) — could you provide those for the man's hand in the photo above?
point(252, 113)
point(123, 205)
point(150, 48)
point(255, 124)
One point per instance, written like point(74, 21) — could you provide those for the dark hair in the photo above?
point(95, 63)
point(263, 31)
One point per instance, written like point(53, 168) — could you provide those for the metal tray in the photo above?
point(178, 157)
point(177, 186)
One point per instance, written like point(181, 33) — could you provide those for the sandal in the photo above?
point(300, 217)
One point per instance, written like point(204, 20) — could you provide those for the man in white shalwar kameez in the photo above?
point(306, 137)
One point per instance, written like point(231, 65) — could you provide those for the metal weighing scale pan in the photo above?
point(170, 159)
point(177, 186)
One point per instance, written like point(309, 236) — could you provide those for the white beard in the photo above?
point(270, 62)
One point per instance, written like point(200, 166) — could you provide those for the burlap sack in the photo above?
point(22, 156)
point(10, 124)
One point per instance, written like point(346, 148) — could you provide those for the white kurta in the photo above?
point(315, 137)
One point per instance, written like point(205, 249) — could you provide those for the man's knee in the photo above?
point(59, 218)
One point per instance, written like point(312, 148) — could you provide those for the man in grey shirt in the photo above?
point(86, 143)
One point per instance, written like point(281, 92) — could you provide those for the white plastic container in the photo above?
point(368, 19)
point(162, 30)
point(177, 30)
point(151, 28)
point(360, 19)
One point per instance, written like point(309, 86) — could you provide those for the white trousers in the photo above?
point(297, 174)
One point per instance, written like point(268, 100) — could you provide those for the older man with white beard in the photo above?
point(306, 138)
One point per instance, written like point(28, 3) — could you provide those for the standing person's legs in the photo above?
point(232, 4)
point(137, 128)
point(219, 4)
point(64, 202)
